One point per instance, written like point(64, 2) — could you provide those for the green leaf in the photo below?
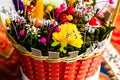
point(108, 30)
point(62, 48)
point(94, 2)
point(55, 44)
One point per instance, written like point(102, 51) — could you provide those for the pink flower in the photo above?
point(66, 22)
point(86, 0)
point(89, 8)
point(57, 10)
point(57, 29)
point(63, 6)
point(111, 1)
point(22, 32)
point(43, 40)
point(20, 21)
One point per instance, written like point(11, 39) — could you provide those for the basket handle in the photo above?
point(116, 12)
point(2, 23)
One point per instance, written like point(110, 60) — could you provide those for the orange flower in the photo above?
point(71, 2)
point(37, 23)
point(39, 11)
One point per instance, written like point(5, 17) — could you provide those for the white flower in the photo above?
point(34, 29)
point(55, 3)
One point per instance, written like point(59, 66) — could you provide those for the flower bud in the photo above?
point(49, 8)
point(27, 3)
point(43, 40)
point(8, 21)
point(70, 17)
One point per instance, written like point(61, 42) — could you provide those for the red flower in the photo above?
point(95, 22)
point(71, 10)
point(63, 17)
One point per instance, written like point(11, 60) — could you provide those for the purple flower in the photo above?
point(22, 32)
point(20, 3)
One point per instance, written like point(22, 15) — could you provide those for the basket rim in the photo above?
point(63, 59)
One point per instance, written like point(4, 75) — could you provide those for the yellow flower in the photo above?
point(49, 8)
point(26, 2)
point(8, 21)
point(69, 17)
point(69, 34)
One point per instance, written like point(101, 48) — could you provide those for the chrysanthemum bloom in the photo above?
point(69, 34)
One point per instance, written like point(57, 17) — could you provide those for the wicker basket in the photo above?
point(76, 68)
point(79, 67)
point(42, 68)
point(9, 68)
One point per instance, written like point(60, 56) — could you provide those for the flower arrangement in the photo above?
point(60, 26)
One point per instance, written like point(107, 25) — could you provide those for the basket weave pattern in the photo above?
point(46, 70)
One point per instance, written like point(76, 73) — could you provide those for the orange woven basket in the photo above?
point(45, 69)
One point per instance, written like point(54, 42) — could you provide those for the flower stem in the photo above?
point(50, 16)
point(18, 4)
point(101, 2)
point(30, 38)
point(101, 9)
point(52, 27)
point(15, 31)
point(25, 11)
point(25, 37)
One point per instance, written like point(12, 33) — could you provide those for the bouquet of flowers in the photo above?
point(60, 26)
